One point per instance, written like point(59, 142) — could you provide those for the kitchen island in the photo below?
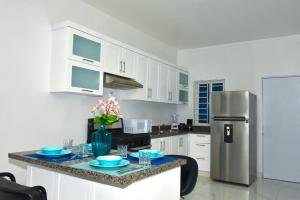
point(66, 181)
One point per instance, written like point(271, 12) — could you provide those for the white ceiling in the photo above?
point(197, 23)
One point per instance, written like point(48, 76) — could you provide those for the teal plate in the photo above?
point(136, 155)
point(62, 153)
point(96, 163)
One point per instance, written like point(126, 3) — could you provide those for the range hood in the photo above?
point(119, 82)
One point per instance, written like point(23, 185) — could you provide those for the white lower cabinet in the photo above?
point(180, 145)
point(65, 187)
point(199, 149)
point(162, 144)
point(193, 145)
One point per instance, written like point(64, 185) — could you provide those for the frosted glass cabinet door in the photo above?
point(86, 79)
point(183, 96)
point(86, 48)
point(183, 79)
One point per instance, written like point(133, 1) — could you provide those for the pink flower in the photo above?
point(107, 107)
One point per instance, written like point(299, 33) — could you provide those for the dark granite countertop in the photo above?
point(118, 181)
point(166, 132)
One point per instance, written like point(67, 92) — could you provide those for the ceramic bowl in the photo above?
point(154, 153)
point(109, 160)
point(51, 150)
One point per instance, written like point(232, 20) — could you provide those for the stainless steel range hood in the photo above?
point(119, 82)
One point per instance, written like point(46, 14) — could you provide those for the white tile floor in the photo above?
point(261, 189)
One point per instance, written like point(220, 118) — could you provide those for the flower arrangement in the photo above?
point(106, 111)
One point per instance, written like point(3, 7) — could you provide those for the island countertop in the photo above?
point(117, 181)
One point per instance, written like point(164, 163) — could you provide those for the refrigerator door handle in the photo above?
point(223, 118)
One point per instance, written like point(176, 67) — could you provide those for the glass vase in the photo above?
point(101, 141)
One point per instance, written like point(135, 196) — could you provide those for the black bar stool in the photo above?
point(189, 175)
point(10, 190)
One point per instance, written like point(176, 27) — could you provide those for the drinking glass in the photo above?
point(122, 151)
point(68, 143)
point(144, 158)
point(83, 150)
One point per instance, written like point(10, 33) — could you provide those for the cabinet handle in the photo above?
point(164, 146)
point(87, 60)
point(201, 145)
point(124, 66)
point(171, 94)
point(161, 146)
point(85, 90)
point(121, 68)
point(201, 136)
point(200, 158)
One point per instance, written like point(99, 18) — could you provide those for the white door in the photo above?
point(281, 129)
point(163, 83)
point(172, 85)
point(129, 63)
point(152, 80)
point(112, 62)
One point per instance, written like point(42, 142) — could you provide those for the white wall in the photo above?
point(242, 65)
point(30, 116)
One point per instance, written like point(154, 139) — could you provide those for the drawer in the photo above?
point(199, 138)
point(202, 150)
point(203, 163)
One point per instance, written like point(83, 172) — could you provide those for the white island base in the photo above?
point(163, 186)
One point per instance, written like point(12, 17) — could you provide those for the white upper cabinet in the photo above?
point(77, 50)
point(163, 83)
point(129, 63)
point(112, 61)
point(141, 73)
point(84, 47)
point(152, 80)
point(76, 62)
point(119, 61)
point(172, 85)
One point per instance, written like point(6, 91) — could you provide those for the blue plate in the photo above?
point(96, 163)
point(62, 153)
point(136, 155)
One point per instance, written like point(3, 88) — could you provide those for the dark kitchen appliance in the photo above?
point(189, 124)
point(134, 142)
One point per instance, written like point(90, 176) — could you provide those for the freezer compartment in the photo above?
point(231, 103)
point(230, 157)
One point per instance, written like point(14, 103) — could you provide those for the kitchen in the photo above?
point(48, 118)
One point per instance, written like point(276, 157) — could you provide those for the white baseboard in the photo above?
point(259, 175)
point(204, 173)
point(207, 174)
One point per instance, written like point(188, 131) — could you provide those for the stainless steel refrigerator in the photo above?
point(233, 137)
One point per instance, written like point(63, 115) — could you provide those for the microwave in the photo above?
point(136, 126)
